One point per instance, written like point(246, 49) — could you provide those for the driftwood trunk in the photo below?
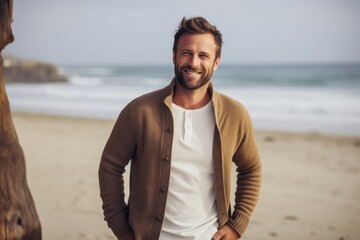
point(18, 217)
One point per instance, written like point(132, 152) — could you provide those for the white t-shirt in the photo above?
point(190, 208)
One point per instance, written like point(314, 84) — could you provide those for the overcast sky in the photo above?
point(100, 32)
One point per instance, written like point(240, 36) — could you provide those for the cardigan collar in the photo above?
point(168, 92)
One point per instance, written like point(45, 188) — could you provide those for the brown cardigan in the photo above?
point(143, 134)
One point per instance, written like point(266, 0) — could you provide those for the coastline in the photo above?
point(311, 181)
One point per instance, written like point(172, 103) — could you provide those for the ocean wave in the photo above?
point(327, 105)
point(85, 81)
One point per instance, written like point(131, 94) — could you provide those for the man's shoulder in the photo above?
point(149, 99)
point(227, 102)
point(230, 111)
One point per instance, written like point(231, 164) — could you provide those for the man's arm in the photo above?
point(117, 153)
point(248, 183)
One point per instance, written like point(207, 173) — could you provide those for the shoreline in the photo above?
point(256, 130)
point(311, 181)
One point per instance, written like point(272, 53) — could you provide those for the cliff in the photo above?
point(29, 71)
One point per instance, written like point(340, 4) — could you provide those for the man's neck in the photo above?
point(191, 99)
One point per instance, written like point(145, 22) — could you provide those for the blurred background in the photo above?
point(294, 64)
point(89, 32)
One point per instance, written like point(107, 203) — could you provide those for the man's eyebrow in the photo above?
point(185, 50)
point(206, 53)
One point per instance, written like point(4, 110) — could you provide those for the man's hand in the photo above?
point(226, 233)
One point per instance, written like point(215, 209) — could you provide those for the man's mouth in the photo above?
point(191, 71)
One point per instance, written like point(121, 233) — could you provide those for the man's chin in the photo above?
point(191, 85)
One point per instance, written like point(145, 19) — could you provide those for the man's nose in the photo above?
point(194, 61)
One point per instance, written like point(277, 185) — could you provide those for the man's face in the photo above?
point(194, 60)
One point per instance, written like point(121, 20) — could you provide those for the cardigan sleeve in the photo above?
point(117, 153)
point(248, 167)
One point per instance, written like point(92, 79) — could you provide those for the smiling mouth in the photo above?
point(190, 71)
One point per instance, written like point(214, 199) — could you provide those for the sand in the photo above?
point(311, 183)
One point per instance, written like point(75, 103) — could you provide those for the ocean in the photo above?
point(302, 98)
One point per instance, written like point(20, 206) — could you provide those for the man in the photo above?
point(182, 141)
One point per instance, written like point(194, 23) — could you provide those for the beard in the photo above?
point(187, 82)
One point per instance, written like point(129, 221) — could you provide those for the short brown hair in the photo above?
point(198, 25)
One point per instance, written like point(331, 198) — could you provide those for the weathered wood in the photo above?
point(18, 217)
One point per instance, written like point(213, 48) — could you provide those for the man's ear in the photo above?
point(216, 63)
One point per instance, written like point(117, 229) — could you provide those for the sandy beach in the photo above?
point(311, 183)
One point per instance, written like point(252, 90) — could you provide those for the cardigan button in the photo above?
point(163, 190)
point(158, 218)
point(166, 159)
point(169, 129)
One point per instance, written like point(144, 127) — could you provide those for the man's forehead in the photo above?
point(205, 40)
